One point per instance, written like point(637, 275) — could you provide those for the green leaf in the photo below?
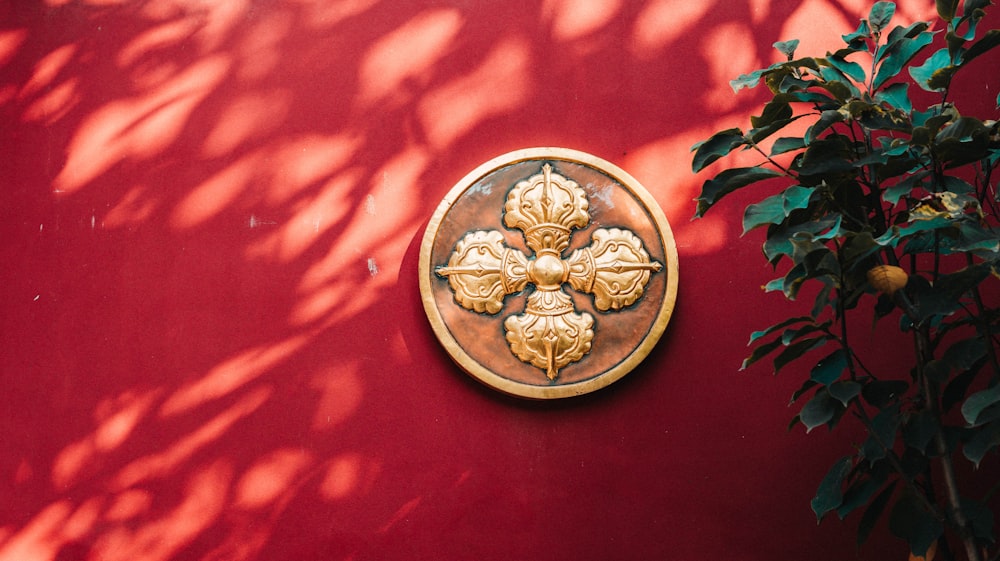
point(728, 181)
point(756, 335)
point(827, 155)
point(930, 300)
point(786, 337)
point(829, 495)
point(963, 355)
point(829, 368)
point(874, 116)
point(806, 386)
point(914, 464)
point(972, 14)
point(787, 48)
point(760, 352)
point(777, 109)
point(819, 410)
point(919, 429)
point(989, 41)
point(880, 156)
point(747, 80)
point(955, 43)
point(752, 79)
point(720, 144)
point(974, 238)
point(964, 141)
point(757, 135)
point(823, 262)
point(824, 298)
point(873, 512)
point(791, 335)
point(774, 285)
point(929, 75)
point(980, 518)
point(957, 153)
point(973, 5)
point(879, 393)
point(962, 129)
point(911, 521)
point(955, 391)
point(776, 208)
point(882, 434)
point(857, 249)
point(845, 391)
point(899, 55)
point(946, 8)
point(821, 100)
point(883, 307)
point(986, 439)
point(956, 185)
point(796, 350)
point(971, 238)
point(898, 36)
point(787, 144)
point(836, 88)
point(779, 237)
point(892, 236)
point(826, 120)
point(954, 285)
point(896, 96)
point(817, 264)
point(851, 69)
point(861, 491)
point(936, 370)
point(893, 193)
point(859, 35)
point(880, 15)
point(833, 75)
point(934, 120)
point(978, 402)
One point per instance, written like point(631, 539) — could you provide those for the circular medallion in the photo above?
point(548, 273)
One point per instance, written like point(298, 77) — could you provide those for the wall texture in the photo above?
point(211, 338)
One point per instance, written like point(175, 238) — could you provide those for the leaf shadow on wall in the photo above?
point(213, 348)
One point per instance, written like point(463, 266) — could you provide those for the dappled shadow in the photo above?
point(213, 343)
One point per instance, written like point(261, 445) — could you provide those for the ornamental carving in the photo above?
point(550, 333)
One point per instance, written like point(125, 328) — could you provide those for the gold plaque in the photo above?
point(548, 273)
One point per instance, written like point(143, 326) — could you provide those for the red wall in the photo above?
point(211, 338)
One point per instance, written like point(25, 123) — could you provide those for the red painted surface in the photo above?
point(212, 340)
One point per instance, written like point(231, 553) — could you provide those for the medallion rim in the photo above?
point(600, 380)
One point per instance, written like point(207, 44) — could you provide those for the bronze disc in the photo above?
point(548, 273)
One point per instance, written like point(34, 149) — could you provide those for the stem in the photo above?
point(984, 325)
point(954, 501)
point(875, 36)
point(987, 178)
point(841, 314)
point(771, 160)
point(893, 460)
point(876, 192)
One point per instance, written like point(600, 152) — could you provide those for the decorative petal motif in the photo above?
point(482, 271)
point(614, 268)
point(549, 334)
point(546, 207)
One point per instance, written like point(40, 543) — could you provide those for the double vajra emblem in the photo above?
point(550, 334)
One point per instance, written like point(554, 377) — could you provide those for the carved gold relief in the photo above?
point(481, 271)
point(550, 334)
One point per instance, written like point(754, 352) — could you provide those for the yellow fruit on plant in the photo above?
point(887, 278)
